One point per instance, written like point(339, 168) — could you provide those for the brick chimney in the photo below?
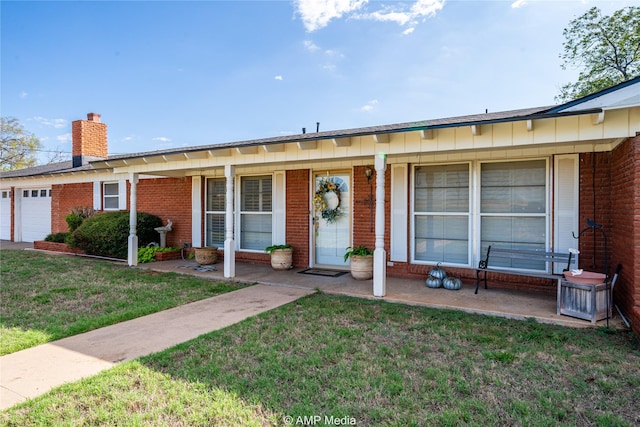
point(89, 140)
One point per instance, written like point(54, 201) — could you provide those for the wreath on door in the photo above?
point(326, 186)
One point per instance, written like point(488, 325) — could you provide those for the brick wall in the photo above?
point(297, 230)
point(167, 198)
point(66, 197)
point(625, 227)
point(595, 204)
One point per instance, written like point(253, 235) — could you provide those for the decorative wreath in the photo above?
point(326, 186)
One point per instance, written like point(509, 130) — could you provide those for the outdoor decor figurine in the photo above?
point(163, 233)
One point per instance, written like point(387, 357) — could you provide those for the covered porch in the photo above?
point(506, 303)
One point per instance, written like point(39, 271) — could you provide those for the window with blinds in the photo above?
point(441, 213)
point(215, 206)
point(255, 212)
point(513, 208)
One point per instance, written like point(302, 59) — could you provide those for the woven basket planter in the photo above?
point(206, 256)
point(282, 259)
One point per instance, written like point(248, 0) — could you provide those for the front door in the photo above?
point(332, 218)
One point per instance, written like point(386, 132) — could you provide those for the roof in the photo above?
point(625, 94)
point(485, 118)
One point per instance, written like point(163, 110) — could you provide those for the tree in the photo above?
point(606, 48)
point(18, 147)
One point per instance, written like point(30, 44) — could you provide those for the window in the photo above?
point(215, 212)
point(43, 193)
point(255, 212)
point(441, 213)
point(25, 193)
point(513, 208)
point(111, 196)
point(34, 193)
point(6, 194)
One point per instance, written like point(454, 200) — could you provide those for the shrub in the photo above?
point(57, 237)
point(107, 234)
point(77, 216)
point(148, 253)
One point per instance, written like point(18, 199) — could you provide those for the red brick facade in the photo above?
point(624, 214)
point(168, 198)
point(66, 197)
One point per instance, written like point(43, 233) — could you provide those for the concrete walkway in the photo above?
point(29, 373)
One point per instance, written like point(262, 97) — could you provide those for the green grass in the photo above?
point(369, 362)
point(48, 297)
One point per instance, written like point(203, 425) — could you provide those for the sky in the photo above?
point(171, 74)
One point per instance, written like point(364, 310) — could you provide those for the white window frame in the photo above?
point(475, 215)
point(238, 205)
point(479, 215)
point(208, 212)
point(110, 197)
point(469, 215)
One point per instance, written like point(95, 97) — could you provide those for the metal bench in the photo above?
point(494, 253)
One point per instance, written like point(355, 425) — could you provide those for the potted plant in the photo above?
point(281, 256)
point(206, 255)
point(361, 262)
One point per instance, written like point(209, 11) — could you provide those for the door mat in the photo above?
point(323, 272)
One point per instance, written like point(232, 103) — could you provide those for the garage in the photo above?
point(34, 210)
point(5, 215)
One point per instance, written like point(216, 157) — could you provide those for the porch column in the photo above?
point(379, 254)
point(229, 244)
point(132, 256)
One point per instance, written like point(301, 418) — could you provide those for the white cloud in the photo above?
point(161, 139)
point(310, 46)
point(128, 138)
point(278, 78)
point(518, 3)
point(408, 31)
point(65, 137)
point(369, 106)
point(23, 94)
point(316, 14)
point(399, 14)
point(56, 123)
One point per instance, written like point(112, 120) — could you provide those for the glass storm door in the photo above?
point(332, 218)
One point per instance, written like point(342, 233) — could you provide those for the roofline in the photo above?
point(544, 113)
point(595, 95)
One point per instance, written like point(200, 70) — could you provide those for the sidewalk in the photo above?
point(29, 373)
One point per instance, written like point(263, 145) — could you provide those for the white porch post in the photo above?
point(379, 254)
point(133, 222)
point(229, 244)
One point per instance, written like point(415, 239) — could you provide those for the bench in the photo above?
point(494, 253)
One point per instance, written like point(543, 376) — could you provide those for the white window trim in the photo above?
point(208, 212)
point(469, 214)
point(478, 255)
point(474, 214)
point(238, 210)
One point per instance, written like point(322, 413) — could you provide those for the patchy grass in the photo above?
point(48, 297)
point(370, 362)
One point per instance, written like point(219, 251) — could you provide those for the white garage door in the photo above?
point(5, 215)
point(35, 214)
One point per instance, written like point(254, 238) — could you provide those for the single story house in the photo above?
point(420, 193)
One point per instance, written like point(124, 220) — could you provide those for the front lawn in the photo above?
point(47, 297)
point(325, 360)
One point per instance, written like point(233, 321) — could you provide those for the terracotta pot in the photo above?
point(206, 256)
point(282, 259)
point(585, 278)
point(362, 267)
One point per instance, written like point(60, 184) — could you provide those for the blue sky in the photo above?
point(169, 74)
